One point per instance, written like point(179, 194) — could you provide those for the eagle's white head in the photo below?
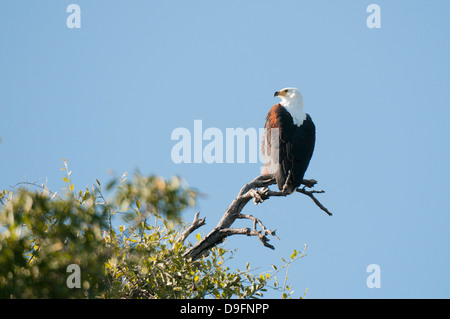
point(292, 100)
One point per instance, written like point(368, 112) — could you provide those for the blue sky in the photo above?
point(107, 96)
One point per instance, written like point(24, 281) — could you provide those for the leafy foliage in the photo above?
point(41, 234)
point(41, 237)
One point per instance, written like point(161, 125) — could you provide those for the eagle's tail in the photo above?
point(286, 184)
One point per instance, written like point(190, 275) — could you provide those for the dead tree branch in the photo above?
point(197, 223)
point(258, 191)
point(315, 200)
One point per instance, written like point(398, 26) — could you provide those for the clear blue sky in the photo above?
point(108, 96)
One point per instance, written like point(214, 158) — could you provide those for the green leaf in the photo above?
point(138, 204)
point(111, 184)
point(294, 254)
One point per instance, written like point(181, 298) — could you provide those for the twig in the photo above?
point(315, 200)
point(246, 231)
point(39, 186)
point(255, 221)
point(107, 206)
point(197, 223)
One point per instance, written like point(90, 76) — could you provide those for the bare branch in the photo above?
point(255, 221)
point(258, 191)
point(197, 223)
point(37, 185)
point(315, 200)
point(310, 183)
point(246, 231)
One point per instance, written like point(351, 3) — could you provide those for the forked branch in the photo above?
point(258, 191)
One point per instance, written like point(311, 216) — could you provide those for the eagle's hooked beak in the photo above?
point(280, 93)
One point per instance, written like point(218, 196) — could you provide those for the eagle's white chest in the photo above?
point(296, 112)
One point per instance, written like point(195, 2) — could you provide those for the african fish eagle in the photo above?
point(295, 134)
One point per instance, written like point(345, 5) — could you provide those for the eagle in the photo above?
point(289, 139)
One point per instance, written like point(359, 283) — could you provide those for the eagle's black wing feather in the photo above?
point(296, 146)
point(299, 151)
